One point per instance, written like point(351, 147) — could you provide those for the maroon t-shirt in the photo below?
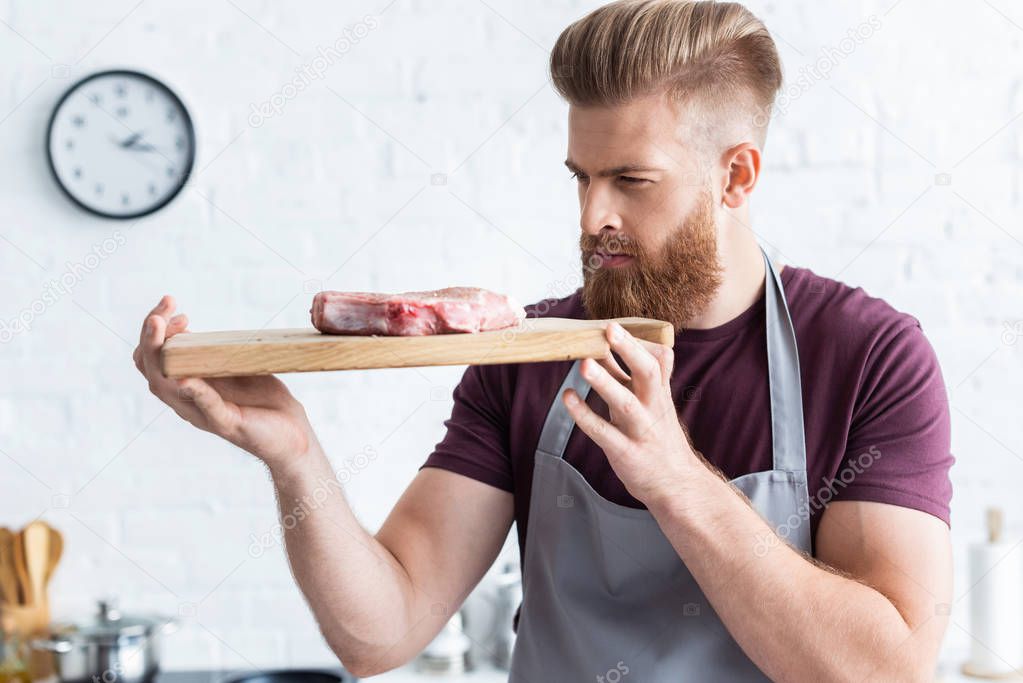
point(875, 409)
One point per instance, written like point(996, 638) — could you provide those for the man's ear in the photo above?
point(743, 164)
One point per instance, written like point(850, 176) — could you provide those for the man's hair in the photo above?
point(715, 60)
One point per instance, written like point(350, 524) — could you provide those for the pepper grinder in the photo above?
point(448, 653)
point(509, 595)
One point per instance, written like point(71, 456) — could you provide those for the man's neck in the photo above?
point(742, 284)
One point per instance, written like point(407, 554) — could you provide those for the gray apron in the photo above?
point(605, 595)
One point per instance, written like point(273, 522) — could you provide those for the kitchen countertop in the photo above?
point(948, 672)
point(405, 674)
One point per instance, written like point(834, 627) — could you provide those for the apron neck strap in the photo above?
point(558, 425)
point(787, 438)
point(783, 374)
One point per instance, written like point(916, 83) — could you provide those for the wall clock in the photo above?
point(120, 144)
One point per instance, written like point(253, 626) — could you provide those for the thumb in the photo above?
point(221, 417)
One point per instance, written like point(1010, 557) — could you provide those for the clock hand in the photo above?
point(133, 143)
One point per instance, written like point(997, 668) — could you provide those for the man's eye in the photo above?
point(580, 178)
point(629, 180)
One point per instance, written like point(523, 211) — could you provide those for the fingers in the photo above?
point(644, 367)
point(665, 356)
point(610, 364)
point(178, 323)
point(627, 412)
point(163, 308)
point(603, 433)
point(156, 328)
point(152, 339)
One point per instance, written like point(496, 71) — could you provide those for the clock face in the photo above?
point(120, 144)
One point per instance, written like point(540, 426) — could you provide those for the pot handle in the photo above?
point(58, 646)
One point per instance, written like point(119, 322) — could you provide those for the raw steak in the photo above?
point(453, 309)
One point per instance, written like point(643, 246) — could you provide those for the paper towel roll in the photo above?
point(996, 608)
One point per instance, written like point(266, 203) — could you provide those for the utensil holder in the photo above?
point(19, 625)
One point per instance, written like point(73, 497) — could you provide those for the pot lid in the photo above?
point(109, 624)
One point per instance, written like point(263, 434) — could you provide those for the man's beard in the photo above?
point(675, 285)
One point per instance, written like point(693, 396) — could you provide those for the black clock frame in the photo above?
point(189, 128)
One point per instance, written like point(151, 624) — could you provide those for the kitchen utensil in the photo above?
point(509, 595)
point(9, 587)
point(264, 352)
point(20, 624)
point(56, 551)
point(35, 538)
point(18, 544)
point(113, 644)
point(449, 652)
point(287, 676)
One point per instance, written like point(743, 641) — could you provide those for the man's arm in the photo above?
point(380, 599)
point(872, 609)
point(877, 615)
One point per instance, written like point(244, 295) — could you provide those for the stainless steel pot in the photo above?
point(114, 648)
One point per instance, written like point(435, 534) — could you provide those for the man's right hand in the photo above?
point(258, 414)
point(379, 599)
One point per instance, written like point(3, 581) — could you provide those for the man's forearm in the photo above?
point(796, 619)
point(357, 590)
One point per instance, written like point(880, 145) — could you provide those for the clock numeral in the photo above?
point(95, 98)
point(78, 121)
point(120, 90)
point(99, 188)
point(70, 144)
point(149, 95)
point(122, 111)
point(152, 188)
point(77, 172)
point(125, 199)
point(170, 171)
point(171, 114)
point(179, 142)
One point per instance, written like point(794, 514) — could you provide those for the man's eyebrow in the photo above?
point(617, 170)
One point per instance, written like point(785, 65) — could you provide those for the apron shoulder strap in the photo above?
point(783, 370)
point(558, 425)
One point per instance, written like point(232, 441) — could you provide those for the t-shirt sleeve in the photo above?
point(899, 445)
point(476, 441)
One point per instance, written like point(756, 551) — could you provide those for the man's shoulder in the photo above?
point(841, 315)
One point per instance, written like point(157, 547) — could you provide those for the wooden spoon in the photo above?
point(36, 540)
point(25, 590)
point(56, 550)
point(8, 576)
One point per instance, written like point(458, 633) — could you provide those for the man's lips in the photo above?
point(605, 259)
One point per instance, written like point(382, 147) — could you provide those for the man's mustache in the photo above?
point(612, 247)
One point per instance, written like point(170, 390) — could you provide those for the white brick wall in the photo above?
point(164, 515)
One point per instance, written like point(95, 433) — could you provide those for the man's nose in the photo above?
point(599, 212)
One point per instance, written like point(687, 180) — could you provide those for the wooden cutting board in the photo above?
point(265, 352)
